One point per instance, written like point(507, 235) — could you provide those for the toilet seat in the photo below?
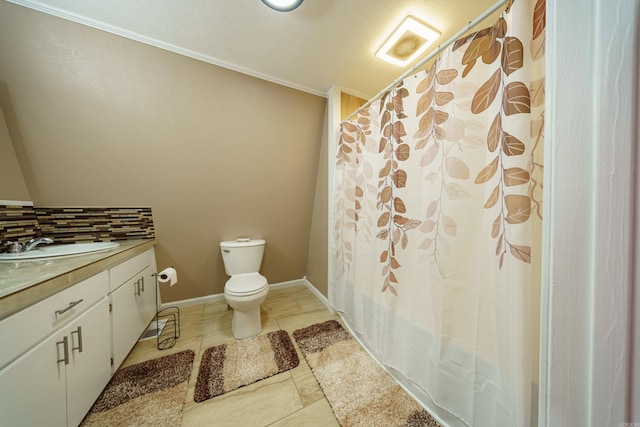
point(245, 284)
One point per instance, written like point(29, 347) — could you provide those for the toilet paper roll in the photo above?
point(168, 275)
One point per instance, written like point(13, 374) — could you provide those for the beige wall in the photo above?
point(12, 186)
point(103, 120)
point(317, 262)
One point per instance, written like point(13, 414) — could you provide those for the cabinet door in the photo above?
point(133, 308)
point(32, 387)
point(89, 367)
point(146, 300)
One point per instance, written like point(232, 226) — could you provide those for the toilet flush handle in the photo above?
point(226, 250)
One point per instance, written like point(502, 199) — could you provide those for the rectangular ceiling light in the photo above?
point(407, 42)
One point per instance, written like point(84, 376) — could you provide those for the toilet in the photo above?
point(247, 288)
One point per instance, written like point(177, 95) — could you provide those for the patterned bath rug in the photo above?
point(239, 363)
point(150, 393)
point(360, 392)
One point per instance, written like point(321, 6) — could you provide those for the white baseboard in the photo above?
point(287, 284)
point(220, 297)
point(319, 295)
point(193, 301)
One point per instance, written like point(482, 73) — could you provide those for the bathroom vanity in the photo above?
point(65, 333)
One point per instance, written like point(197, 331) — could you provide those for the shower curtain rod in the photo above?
point(423, 61)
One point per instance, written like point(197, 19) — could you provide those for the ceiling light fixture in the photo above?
point(282, 5)
point(409, 40)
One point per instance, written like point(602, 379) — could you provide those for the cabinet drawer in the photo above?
point(32, 324)
point(125, 271)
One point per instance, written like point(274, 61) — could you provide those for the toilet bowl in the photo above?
point(246, 303)
point(247, 288)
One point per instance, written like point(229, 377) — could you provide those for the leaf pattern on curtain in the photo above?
point(350, 145)
point(393, 224)
point(536, 90)
point(511, 208)
point(369, 193)
point(438, 160)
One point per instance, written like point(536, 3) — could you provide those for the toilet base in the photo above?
point(246, 324)
point(246, 320)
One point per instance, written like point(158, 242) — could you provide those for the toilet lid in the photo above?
point(243, 284)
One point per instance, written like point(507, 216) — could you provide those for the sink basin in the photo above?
point(60, 250)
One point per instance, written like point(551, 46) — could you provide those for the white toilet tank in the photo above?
point(242, 256)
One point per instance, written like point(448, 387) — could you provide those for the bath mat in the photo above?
point(230, 366)
point(360, 392)
point(149, 393)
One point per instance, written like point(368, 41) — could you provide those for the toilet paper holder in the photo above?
point(170, 317)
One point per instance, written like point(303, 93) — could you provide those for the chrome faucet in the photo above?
point(17, 247)
point(33, 243)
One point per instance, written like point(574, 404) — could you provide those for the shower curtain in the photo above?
point(437, 203)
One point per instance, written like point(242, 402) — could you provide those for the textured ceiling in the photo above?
point(320, 44)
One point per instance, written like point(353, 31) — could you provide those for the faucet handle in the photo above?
point(15, 247)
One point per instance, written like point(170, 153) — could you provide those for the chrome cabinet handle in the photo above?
point(139, 286)
point(65, 343)
point(71, 305)
point(79, 347)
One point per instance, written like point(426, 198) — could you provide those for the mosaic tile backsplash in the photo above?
point(17, 224)
point(74, 224)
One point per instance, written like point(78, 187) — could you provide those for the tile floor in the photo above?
point(292, 398)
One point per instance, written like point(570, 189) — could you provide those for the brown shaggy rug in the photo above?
point(150, 393)
point(360, 392)
point(230, 366)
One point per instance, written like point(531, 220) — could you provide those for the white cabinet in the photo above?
point(33, 388)
point(58, 354)
point(133, 303)
point(56, 381)
point(89, 367)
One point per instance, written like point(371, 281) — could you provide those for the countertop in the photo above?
point(24, 283)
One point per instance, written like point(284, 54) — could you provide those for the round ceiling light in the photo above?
point(282, 5)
